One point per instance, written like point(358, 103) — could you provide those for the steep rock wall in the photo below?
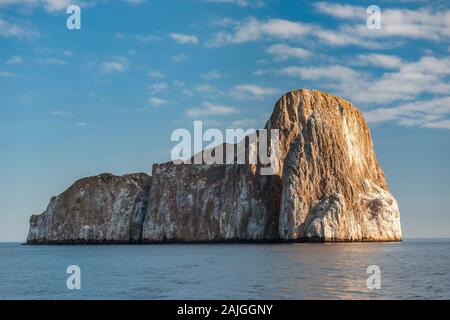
point(103, 208)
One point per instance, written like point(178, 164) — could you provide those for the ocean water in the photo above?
point(413, 269)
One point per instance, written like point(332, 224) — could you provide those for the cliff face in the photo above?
point(332, 186)
point(327, 186)
point(210, 203)
point(103, 208)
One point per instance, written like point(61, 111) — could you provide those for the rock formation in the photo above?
point(332, 186)
point(99, 209)
point(327, 186)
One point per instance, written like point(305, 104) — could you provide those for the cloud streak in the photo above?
point(240, 3)
point(246, 91)
point(425, 113)
point(380, 60)
point(252, 29)
point(428, 75)
point(14, 30)
point(15, 60)
point(114, 65)
point(423, 23)
point(184, 38)
point(210, 109)
point(283, 52)
point(157, 101)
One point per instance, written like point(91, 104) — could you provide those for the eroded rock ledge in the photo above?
point(328, 186)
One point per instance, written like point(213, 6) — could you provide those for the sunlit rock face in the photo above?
point(327, 186)
point(332, 186)
point(103, 208)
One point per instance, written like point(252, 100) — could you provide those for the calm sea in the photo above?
point(409, 270)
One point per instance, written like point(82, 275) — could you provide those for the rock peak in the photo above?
point(327, 161)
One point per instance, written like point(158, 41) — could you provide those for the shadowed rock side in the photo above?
point(99, 209)
point(211, 203)
point(327, 186)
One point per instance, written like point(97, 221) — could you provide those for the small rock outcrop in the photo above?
point(327, 186)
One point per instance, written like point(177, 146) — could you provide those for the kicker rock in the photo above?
point(103, 208)
point(327, 186)
point(332, 186)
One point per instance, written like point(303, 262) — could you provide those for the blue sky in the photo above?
point(106, 98)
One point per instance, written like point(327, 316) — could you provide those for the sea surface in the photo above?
point(412, 269)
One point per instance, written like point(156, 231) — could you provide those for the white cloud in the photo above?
point(182, 86)
point(6, 74)
point(158, 87)
point(252, 29)
point(432, 113)
point(252, 91)
point(184, 38)
point(426, 76)
point(157, 101)
point(331, 72)
point(210, 109)
point(56, 5)
point(240, 3)
point(5, 3)
point(155, 74)
point(207, 88)
point(178, 83)
point(259, 72)
point(179, 58)
point(59, 113)
point(443, 124)
point(397, 25)
point(114, 65)
point(14, 60)
point(342, 11)
point(423, 23)
point(284, 52)
point(111, 66)
point(212, 75)
point(54, 61)
point(381, 60)
point(49, 5)
point(135, 2)
point(346, 37)
point(143, 38)
point(187, 92)
point(13, 30)
point(225, 22)
point(244, 123)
